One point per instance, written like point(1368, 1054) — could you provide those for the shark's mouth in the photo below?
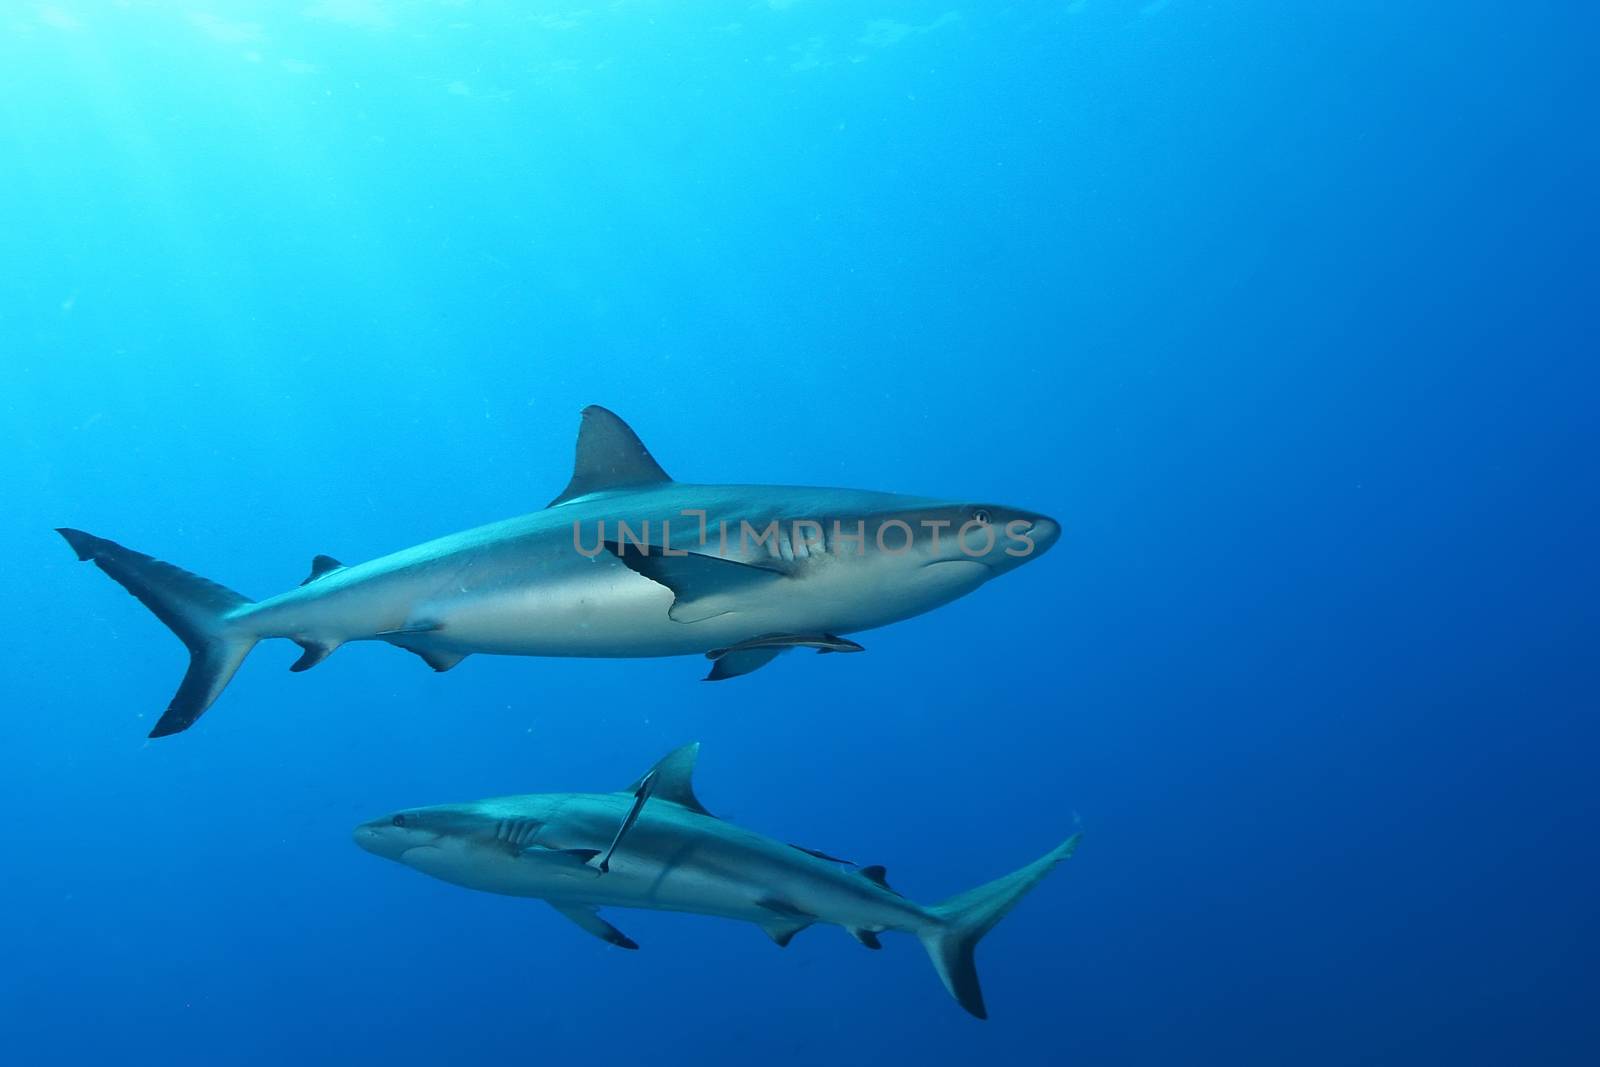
point(951, 578)
point(405, 857)
point(945, 565)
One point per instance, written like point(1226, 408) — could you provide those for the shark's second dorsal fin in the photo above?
point(878, 877)
point(673, 779)
point(321, 566)
point(609, 456)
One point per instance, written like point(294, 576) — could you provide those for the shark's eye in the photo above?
point(981, 516)
point(399, 820)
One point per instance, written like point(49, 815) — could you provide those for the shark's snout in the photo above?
point(383, 837)
point(368, 837)
point(1025, 538)
point(1044, 532)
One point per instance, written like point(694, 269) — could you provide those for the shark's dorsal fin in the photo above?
point(322, 566)
point(609, 456)
point(672, 779)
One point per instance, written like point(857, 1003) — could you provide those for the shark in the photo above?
point(655, 846)
point(625, 562)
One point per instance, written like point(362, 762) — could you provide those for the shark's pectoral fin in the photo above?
point(703, 587)
point(868, 938)
point(321, 567)
point(587, 918)
point(784, 921)
point(315, 652)
point(733, 664)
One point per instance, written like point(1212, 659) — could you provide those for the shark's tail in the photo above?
point(197, 611)
point(966, 917)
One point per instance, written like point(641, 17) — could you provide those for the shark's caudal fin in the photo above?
point(965, 918)
point(195, 609)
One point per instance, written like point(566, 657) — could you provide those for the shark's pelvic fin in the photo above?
point(321, 567)
point(439, 659)
point(315, 652)
point(609, 456)
point(962, 920)
point(672, 778)
point(640, 795)
point(589, 919)
point(200, 612)
point(785, 921)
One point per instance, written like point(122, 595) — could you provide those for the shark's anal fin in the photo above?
point(640, 795)
point(609, 455)
point(673, 778)
point(784, 921)
point(321, 567)
point(315, 652)
point(702, 586)
point(587, 918)
point(868, 938)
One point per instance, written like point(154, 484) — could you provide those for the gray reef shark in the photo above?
point(654, 845)
point(625, 562)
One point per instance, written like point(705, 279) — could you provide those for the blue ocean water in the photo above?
point(1287, 312)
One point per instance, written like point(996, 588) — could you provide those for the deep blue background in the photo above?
point(1287, 311)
